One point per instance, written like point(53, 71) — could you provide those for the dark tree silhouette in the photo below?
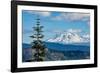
point(38, 47)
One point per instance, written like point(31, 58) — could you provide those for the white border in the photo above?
point(54, 63)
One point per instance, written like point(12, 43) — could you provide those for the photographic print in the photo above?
point(53, 37)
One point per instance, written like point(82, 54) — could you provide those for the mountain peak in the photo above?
point(68, 37)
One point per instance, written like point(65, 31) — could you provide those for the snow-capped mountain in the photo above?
point(69, 37)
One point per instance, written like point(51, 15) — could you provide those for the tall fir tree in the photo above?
point(38, 47)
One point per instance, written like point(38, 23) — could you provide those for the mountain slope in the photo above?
point(68, 37)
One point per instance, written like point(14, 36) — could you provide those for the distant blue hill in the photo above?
point(26, 46)
point(63, 47)
point(58, 51)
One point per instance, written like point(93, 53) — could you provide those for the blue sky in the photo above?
point(55, 23)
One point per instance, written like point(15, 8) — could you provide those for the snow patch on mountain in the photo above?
point(69, 37)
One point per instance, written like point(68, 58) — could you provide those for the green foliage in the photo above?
point(37, 44)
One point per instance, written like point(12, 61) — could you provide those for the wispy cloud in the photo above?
point(41, 13)
point(69, 16)
point(86, 36)
point(58, 31)
point(74, 30)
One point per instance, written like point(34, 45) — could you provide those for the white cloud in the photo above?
point(58, 31)
point(86, 36)
point(42, 13)
point(74, 30)
point(73, 16)
point(57, 18)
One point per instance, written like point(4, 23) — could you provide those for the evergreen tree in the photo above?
point(38, 47)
